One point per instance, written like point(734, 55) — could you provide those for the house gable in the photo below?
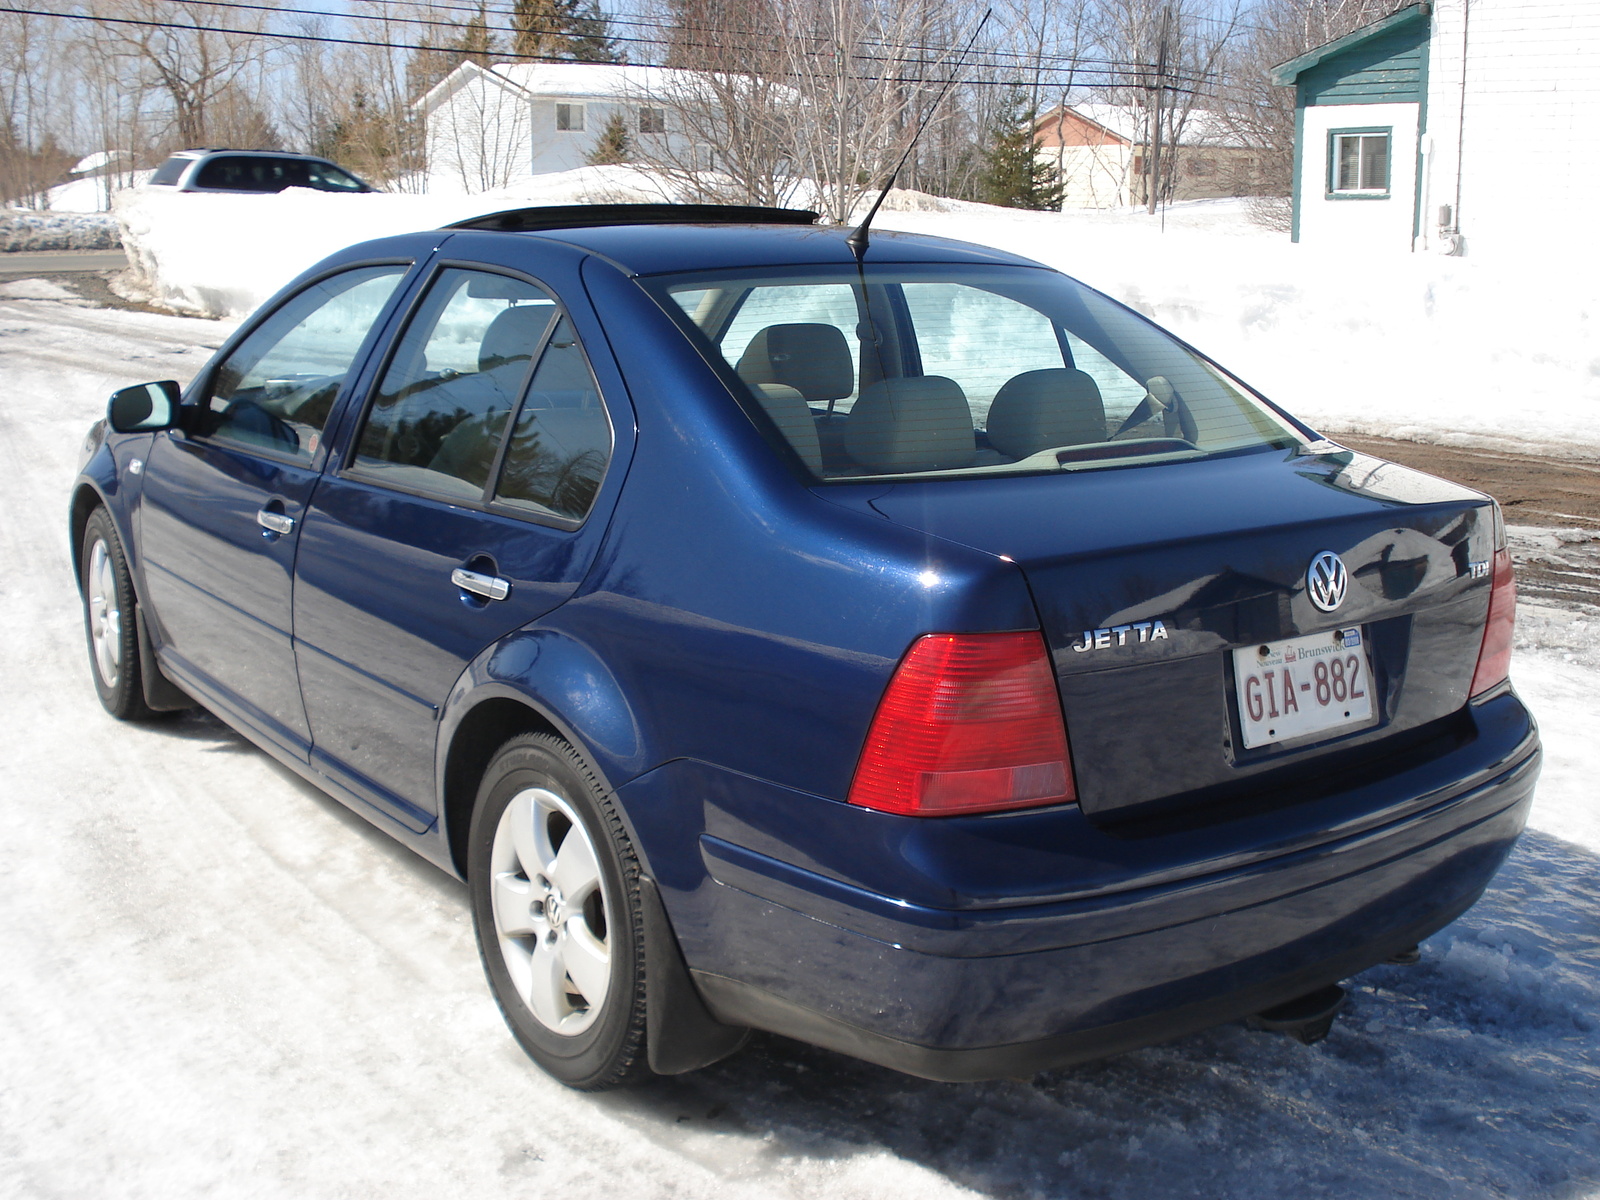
point(1387, 68)
point(1381, 63)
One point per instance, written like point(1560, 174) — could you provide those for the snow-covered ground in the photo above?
point(218, 982)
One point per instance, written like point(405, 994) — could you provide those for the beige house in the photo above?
point(1099, 150)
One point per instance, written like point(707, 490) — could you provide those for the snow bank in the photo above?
point(1391, 344)
point(222, 255)
point(23, 229)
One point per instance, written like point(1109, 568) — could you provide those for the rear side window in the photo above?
point(276, 388)
point(170, 171)
point(243, 173)
point(561, 441)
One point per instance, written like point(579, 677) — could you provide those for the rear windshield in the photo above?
point(947, 370)
point(169, 171)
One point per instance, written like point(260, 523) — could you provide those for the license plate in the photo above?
point(1302, 686)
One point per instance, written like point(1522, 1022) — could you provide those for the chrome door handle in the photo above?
point(490, 587)
point(274, 522)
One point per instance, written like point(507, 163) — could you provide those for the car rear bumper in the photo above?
point(961, 994)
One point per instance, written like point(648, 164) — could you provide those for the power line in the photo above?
point(1119, 72)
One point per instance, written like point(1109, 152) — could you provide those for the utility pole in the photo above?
point(1153, 158)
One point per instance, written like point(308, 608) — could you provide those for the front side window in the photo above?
point(652, 120)
point(959, 371)
point(569, 117)
point(276, 388)
point(1359, 162)
point(326, 177)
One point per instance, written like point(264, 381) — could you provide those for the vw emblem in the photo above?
point(1327, 581)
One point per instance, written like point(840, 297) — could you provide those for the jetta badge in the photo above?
point(1327, 581)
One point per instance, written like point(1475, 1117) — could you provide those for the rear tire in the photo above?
point(110, 621)
point(554, 883)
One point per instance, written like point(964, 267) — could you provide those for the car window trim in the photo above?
point(349, 468)
point(198, 397)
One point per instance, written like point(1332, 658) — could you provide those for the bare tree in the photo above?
point(349, 103)
point(866, 80)
point(31, 89)
point(174, 50)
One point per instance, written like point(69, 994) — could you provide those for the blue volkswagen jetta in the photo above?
point(908, 650)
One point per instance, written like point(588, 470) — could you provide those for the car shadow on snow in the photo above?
point(199, 726)
point(1475, 1073)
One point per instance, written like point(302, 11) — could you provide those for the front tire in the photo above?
point(554, 883)
point(110, 621)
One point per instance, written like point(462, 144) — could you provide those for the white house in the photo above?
point(490, 127)
point(1457, 126)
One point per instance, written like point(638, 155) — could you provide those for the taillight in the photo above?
point(970, 722)
point(1494, 657)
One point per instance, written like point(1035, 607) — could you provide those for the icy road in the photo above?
point(216, 982)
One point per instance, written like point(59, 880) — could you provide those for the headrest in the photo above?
point(513, 335)
point(792, 416)
point(813, 359)
point(1040, 409)
point(920, 424)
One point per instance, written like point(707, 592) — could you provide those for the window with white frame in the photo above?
point(569, 117)
point(1358, 162)
point(652, 120)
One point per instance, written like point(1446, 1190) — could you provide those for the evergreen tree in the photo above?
point(1013, 174)
point(614, 145)
point(569, 29)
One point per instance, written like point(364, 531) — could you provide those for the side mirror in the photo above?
point(144, 408)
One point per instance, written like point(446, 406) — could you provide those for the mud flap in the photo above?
point(160, 693)
point(680, 1034)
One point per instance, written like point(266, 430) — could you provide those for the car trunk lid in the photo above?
point(1148, 579)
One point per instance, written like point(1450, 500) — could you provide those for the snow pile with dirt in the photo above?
point(25, 229)
point(1390, 344)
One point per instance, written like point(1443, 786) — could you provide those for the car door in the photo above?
point(459, 512)
point(223, 498)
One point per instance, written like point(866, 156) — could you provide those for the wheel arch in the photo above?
point(85, 499)
point(534, 681)
point(482, 730)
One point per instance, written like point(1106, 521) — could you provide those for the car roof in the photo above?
point(657, 249)
point(202, 151)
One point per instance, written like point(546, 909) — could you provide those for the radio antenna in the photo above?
point(857, 241)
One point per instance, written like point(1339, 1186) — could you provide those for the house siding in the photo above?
point(1513, 105)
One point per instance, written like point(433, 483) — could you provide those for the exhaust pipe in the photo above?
point(1306, 1018)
